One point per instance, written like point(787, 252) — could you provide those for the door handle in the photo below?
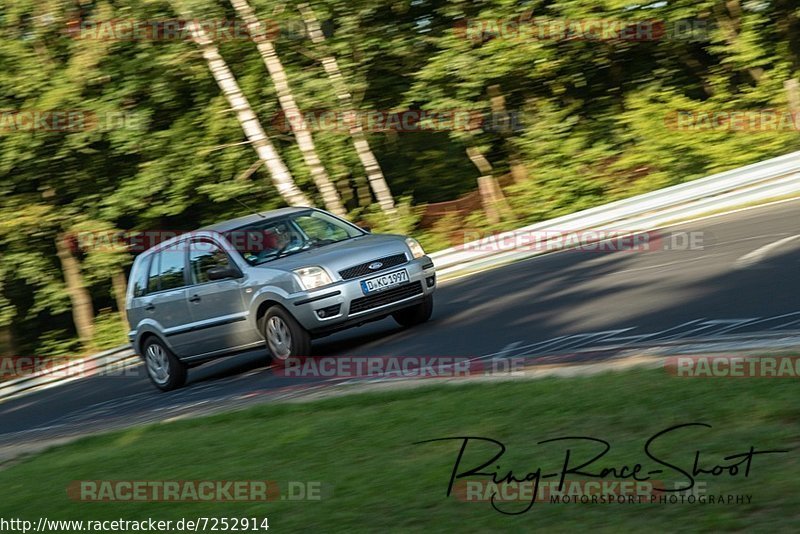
point(150, 306)
point(194, 298)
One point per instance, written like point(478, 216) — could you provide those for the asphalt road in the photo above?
point(742, 277)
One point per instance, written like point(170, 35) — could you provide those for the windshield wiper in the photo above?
point(282, 253)
point(316, 243)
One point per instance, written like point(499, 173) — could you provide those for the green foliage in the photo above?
point(404, 221)
point(57, 343)
point(443, 234)
point(109, 331)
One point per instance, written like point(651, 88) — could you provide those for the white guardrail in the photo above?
point(68, 371)
point(765, 180)
point(760, 181)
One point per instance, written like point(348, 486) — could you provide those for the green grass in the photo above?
point(361, 447)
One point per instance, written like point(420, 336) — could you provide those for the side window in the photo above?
point(152, 280)
point(203, 255)
point(171, 267)
point(140, 280)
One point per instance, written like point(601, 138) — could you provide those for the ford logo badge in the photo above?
point(374, 266)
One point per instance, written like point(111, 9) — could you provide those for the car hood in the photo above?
point(344, 254)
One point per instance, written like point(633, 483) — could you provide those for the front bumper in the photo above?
point(343, 304)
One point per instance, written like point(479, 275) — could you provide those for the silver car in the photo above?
point(284, 277)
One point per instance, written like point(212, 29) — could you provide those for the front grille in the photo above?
point(385, 297)
point(363, 268)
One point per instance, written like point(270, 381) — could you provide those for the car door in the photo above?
point(164, 301)
point(219, 314)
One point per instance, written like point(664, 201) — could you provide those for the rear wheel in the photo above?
point(165, 370)
point(285, 337)
point(417, 314)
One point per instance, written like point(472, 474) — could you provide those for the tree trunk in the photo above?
point(792, 88)
point(6, 342)
point(492, 198)
point(375, 176)
point(499, 113)
point(120, 286)
point(281, 177)
point(730, 23)
point(82, 310)
point(301, 131)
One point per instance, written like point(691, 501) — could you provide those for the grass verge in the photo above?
point(361, 448)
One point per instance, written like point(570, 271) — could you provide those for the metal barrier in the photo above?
point(67, 372)
point(759, 181)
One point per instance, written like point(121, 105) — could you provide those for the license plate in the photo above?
point(384, 281)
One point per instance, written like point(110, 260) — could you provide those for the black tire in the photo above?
point(172, 374)
point(297, 340)
point(417, 314)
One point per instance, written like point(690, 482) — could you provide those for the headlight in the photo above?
point(416, 248)
point(313, 277)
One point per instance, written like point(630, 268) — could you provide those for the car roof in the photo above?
point(239, 222)
point(224, 226)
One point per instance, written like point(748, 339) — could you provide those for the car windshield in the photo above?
point(278, 237)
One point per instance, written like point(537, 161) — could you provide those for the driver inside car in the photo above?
point(274, 241)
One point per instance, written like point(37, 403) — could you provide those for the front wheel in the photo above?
point(416, 314)
point(165, 370)
point(286, 338)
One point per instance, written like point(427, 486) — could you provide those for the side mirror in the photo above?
point(366, 229)
point(221, 273)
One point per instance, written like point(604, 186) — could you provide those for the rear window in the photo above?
point(152, 281)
